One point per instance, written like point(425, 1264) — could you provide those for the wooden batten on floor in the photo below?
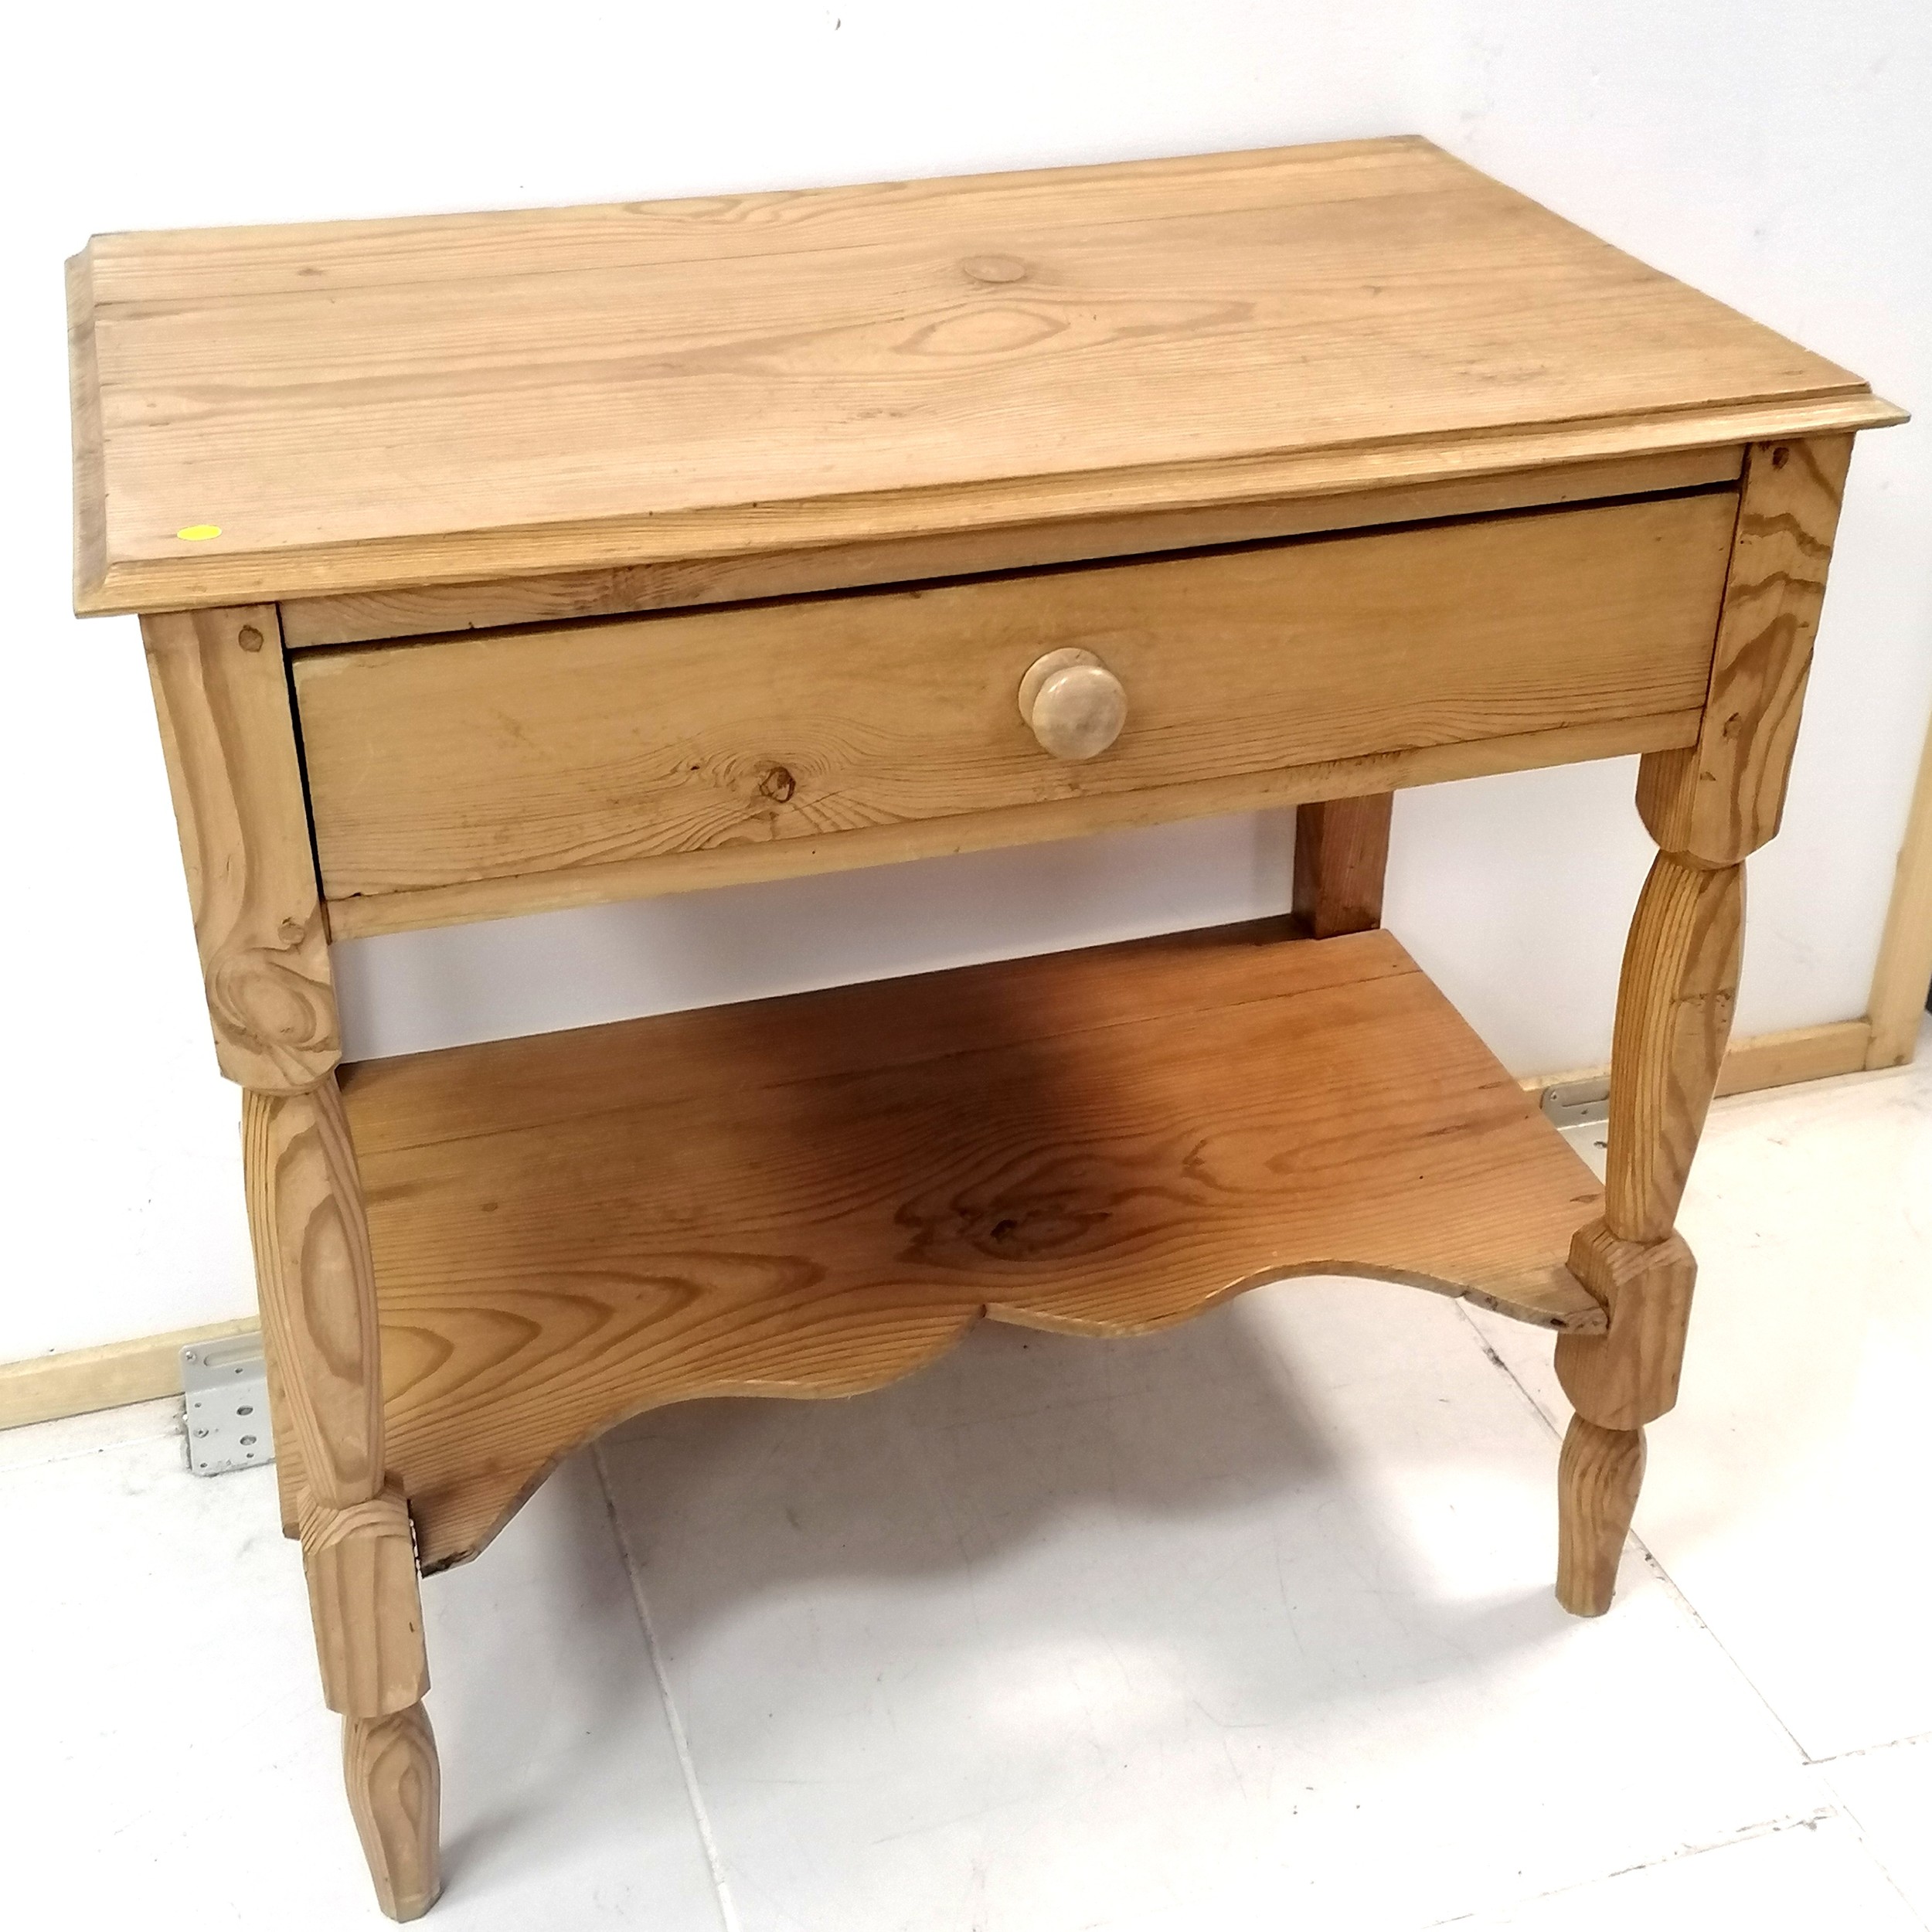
point(1799, 1053)
point(1765, 1060)
point(1904, 968)
point(47, 1387)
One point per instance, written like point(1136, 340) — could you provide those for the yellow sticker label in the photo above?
point(199, 533)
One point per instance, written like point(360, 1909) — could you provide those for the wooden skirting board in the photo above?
point(1766, 1060)
point(48, 1387)
point(1801, 1053)
point(1905, 953)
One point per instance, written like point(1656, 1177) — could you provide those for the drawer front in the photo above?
point(527, 754)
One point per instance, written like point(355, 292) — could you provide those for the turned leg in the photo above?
point(395, 1791)
point(1340, 853)
point(318, 1318)
point(1673, 1018)
point(1597, 1478)
point(221, 696)
point(1708, 806)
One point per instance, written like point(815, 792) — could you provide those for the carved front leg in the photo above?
point(221, 691)
point(1673, 1018)
point(317, 1289)
point(1708, 806)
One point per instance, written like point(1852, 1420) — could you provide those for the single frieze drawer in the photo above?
point(539, 751)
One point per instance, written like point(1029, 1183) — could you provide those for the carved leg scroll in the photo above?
point(1708, 806)
point(222, 694)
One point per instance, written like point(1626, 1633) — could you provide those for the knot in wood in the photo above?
point(994, 270)
point(776, 784)
point(249, 637)
point(264, 999)
point(1021, 1230)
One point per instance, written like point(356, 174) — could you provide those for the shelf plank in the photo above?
point(812, 1196)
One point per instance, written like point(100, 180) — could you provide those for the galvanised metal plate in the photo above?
point(226, 1385)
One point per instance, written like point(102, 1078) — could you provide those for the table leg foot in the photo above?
point(396, 1792)
point(1597, 1479)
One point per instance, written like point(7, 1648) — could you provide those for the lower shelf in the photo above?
point(814, 1196)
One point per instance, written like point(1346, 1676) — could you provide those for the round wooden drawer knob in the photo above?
point(1076, 706)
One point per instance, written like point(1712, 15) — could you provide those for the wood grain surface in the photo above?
point(316, 1285)
point(812, 1196)
point(395, 1782)
point(362, 406)
point(361, 1566)
point(221, 696)
point(1340, 854)
point(1015, 826)
point(1716, 803)
point(1628, 1376)
point(512, 754)
point(83, 399)
point(1598, 1475)
point(420, 610)
point(1675, 1003)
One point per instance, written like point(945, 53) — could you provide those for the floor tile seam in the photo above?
point(1852, 1751)
point(674, 1720)
point(1651, 1558)
point(174, 1433)
point(1848, 1812)
point(1749, 1834)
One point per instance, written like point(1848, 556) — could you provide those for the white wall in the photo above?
point(1772, 164)
point(1778, 156)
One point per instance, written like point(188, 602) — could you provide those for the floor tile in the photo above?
point(1802, 1878)
point(37, 1442)
point(168, 1758)
point(1156, 1633)
point(1888, 1794)
point(565, 1805)
point(1779, 1491)
point(1249, 1624)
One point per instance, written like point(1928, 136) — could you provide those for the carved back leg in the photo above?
point(1340, 853)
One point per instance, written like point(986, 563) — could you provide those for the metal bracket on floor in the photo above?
point(226, 1385)
point(1577, 1103)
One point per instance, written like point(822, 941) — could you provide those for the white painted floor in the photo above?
point(1248, 1624)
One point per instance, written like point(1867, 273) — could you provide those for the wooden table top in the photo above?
point(357, 405)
